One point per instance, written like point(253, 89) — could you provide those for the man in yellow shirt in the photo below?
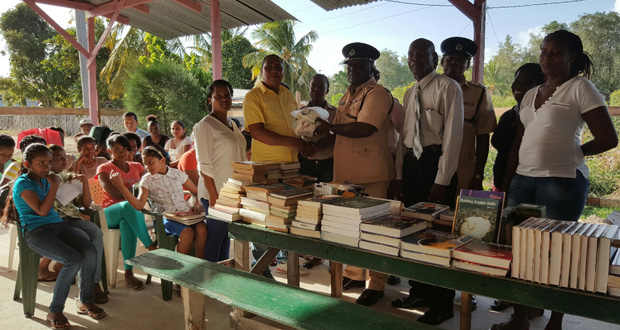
point(266, 111)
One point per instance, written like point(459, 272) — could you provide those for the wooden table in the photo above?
point(590, 305)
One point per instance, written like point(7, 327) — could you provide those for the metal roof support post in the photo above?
point(93, 98)
point(216, 40)
point(476, 12)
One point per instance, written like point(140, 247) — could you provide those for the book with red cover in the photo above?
point(483, 253)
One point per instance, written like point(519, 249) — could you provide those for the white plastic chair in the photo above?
point(13, 244)
point(111, 237)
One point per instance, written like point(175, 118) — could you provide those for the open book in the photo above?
point(187, 218)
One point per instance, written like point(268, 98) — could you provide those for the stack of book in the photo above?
point(301, 181)
point(249, 172)
point(229, 201)
point(483, 257)
point(342, 218)
point(256, 206)
point(431, 246)
point(425, 211)
point(307, 220)
point(383, 234)
point(446, 218)
point(563, 253)
point(284, 207)
point(289, 170)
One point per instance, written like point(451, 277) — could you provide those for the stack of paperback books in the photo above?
point(431, 246)
point(249, 172)
point(307, 220)
point(425, 211)
point(284, 207)
point(256, 206)
point(228, 203)
point(383, 234)
point(301, 181)
point(613, 282)
point(342, 218)
point(567, 254)
point(482, 257)
point(289, 170)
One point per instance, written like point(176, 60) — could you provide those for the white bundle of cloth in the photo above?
point(306, 120)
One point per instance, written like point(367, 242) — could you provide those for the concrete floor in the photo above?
point(128, 309)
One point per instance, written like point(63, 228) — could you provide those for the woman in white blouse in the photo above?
point(551, 167)
point(218, 142)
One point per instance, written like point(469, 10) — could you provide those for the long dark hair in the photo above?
point(155, 150)
point(180, 123)
point(583, 63)
point(534, 70)
point(10, 213)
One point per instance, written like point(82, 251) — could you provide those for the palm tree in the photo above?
point(279, 38)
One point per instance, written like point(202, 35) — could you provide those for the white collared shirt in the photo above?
point(441, 123)
point(166, 191)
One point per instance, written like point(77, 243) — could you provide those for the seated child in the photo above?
point(88, 162)
point(163, 187)
point(71, 214)
point(7, 148)
point(32, 203)
point(136, 144)
point(118, 212)
point(12, 171)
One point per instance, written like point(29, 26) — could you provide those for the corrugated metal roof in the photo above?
point(337, 4)
point(169, 19)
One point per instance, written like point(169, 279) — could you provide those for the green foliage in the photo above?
point(335, 99)
point(158, 51)
point(614, 99)
point(279, 38)
point(503, 101)
point(233, 71)
point(168, 90)
point(601, 212)
point(393, 69)
point(338, 84)
point(399, 92)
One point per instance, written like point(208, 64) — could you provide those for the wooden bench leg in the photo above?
point(242, 255)
point(262, 264)
point(465, 311)
point(292, 263)
point(194, 309)
point(336, 276)
point(240, 323)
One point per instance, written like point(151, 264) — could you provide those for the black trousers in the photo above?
point(322, 169)
point(418, 179)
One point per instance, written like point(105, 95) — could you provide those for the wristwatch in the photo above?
point(331, 130)
point(478, 176)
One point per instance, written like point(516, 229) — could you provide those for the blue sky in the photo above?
point(393, 25)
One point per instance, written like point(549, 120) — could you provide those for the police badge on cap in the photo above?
point(459, 46)
point(360, 51)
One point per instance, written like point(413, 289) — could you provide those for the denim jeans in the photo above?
point(96, 237)
point(71, 247)
point(217, 247)
point(564, 198)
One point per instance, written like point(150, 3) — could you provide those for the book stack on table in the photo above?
point(342, 218)
point(383, 234)
point(567, 254)
point(248, 172)
point(483, 257)
point(229, 201)
point(307, 220)
point(613, 282)
point(425, 211)
point(284, 206)
point(256, 206)
point(288, 170)
point(431, 246)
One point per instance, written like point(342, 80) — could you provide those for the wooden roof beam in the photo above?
point(108, 8)
point(191, 4)
point(68, 4)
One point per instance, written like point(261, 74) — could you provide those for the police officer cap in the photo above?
point(459, 46)
point(360, 51)
point(86, 121)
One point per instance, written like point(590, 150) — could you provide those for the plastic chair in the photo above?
point(50, 136)
point(27, 274)
point(12, 245)
point(111, 237)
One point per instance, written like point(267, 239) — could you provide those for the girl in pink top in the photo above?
point(118, 212)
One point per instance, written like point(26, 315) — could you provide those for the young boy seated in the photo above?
point(7, 148)
point(88, 161)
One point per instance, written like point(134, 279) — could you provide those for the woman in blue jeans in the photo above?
point(33, 195)
point(551, 167)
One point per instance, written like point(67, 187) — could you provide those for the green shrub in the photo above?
point(614, 99)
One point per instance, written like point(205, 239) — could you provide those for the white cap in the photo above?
point(86, 121)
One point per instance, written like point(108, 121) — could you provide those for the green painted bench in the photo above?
point(288, 305)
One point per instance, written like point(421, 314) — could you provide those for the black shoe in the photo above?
point(369, 297)
point(348, 283)
point(474, 303)
point(409, 302)
point(436, 317)
point(499, 305)
point(392, 280)
point(268, 275)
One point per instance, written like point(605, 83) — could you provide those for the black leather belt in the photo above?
point(431, 148)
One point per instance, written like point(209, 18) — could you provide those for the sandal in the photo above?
point(136, 284)
point(59, 322)
point(94, 312)
point(312, 262)
point(49, 277)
